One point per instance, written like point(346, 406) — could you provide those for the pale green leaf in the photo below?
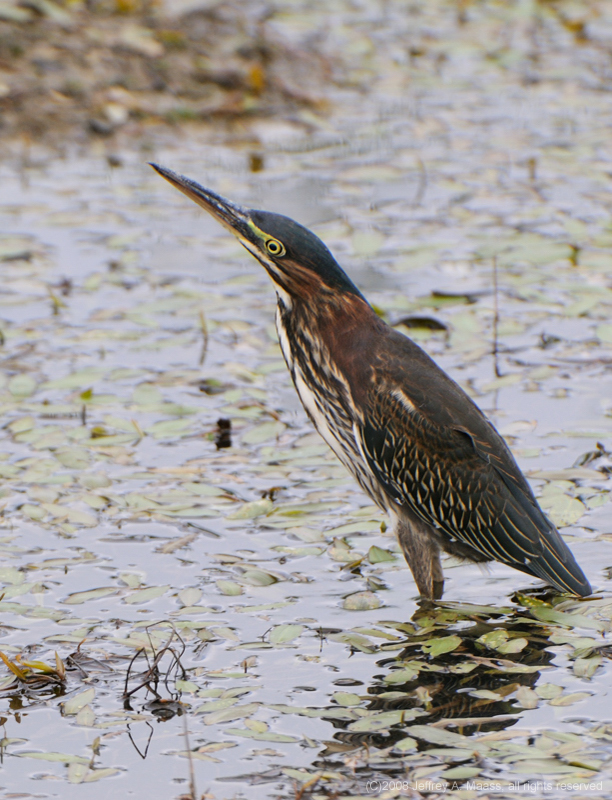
point(445, 644)
point(361, 601)
point(230, 714)
point(281, 634)
point(22, 385)
point(346, 698)
point(569, 699)
point(60, 758)
point(79, 701)
point(144, 595)
point(267, 736)
point(258, 577)
point(230, 588)
point(461, 773)
point(190, 596)
point(77, 772)
point(76, 598)
point(251, 510)
point(99, 774)
point(33, 512)
point(377, 555)
point(264, 432)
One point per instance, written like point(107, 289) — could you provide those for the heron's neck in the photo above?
point(327, 329)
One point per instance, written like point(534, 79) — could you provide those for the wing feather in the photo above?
point(447, 464)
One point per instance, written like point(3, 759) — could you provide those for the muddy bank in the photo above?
point(70, 74)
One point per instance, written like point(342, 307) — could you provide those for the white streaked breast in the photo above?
point(283, 296)
point(284, 340)
point(318, 417)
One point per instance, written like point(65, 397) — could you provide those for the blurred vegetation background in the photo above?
point(75, 69)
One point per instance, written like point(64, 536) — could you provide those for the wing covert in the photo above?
point(437, 473)
point(465, 485)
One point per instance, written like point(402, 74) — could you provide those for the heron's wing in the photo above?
point(435, 452)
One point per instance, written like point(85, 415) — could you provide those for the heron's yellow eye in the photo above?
point(275, 248)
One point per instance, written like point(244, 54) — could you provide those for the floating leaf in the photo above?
point(366, 526)
point(75, 380)
point(604, 333)
point(377, 555)
point(568, 620)
point(258, 577)
point(77, 598)
point(79, 701)
point(77, 772)
point(569, 699)
point(22, 385)
point(251, 510)
point(443, 737)
point(61, 758)
point(515, 645)
point(563, 509)
point(186, 686)
point(21, 425)
point(11, 575)
point(461, 773)
point(169, 428)
point(264, 432)
point(14, 668)
point(548, 691)
point(73, 457)
point(78, 517)
point(405, 675)
point(204, 489)
point(95, 481)
point(346, 699)
point(445, 644)
point(230, 588)
point(281, 634)
point(586, 667)
point(190, 596)
point(527, 698)
point(86, 717)
point(33, 512)
point(493, 639)
point(144, 595)
point(354, 640)
point(383, 720)
point(99, 774)
point(147, 394)
point(230, 714)
point(297, 552)
point(267, 736)
point(367, 242)
point(361, 601)
point(405, 744)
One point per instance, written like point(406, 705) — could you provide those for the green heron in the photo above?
point(413, 439)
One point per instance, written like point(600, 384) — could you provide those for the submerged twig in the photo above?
point(204, 329)
point(142, 754)
point(495, 320)
point(152, 676)
point(420, 192)
point(192, 782)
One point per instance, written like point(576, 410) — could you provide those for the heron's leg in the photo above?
point(422, 554)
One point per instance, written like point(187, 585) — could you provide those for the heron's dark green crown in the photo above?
point(304, 248)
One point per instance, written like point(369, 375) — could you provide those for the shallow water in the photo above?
point(112, 480)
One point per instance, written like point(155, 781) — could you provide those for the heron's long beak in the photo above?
point(233, 217)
